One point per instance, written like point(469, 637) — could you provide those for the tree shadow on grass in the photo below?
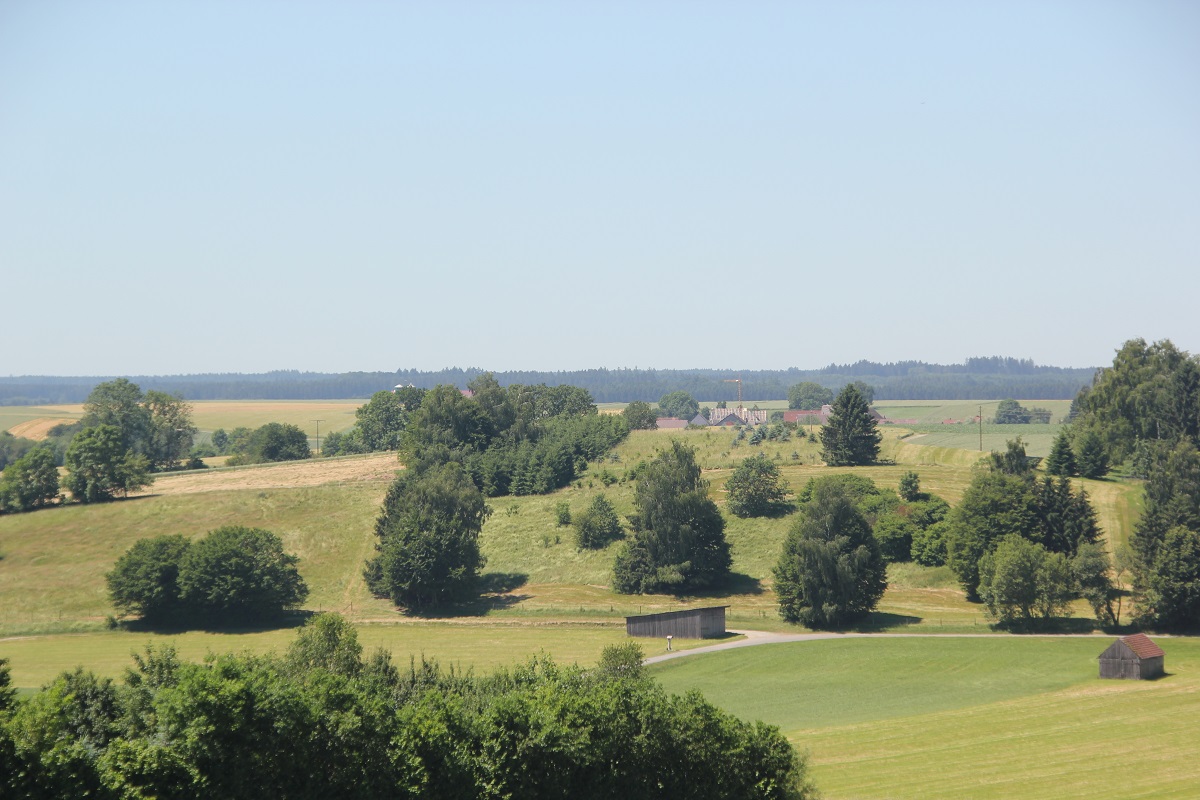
point(738, 583)
point(879, 621)
point(285, 621)
point(496, 594)
point(1054, 625)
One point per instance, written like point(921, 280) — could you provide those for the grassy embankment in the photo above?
point(982, 717)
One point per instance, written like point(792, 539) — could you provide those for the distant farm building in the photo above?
point(670, 423)
point(1134, 657)
point(738, 416)
point(699, 420)
point(812, 416)
point(694, 623)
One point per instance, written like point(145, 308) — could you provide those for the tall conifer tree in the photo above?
point(849, 438)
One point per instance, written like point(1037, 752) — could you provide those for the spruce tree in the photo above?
point(849, 438)
point(1062, 458)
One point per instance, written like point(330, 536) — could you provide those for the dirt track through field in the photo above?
point(379, 468)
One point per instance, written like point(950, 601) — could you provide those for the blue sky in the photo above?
point(231, 187)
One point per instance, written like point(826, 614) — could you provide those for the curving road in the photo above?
point(755, 638)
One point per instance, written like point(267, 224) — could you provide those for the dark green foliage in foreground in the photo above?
point(849, 437)
point(232, 575)
point(831, 572)
point(321, 722)
point(29, 482)
point(428, 548)
point(678, 542)
point(756, 489)
point(597, 525)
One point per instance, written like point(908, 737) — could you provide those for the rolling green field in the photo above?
point(990, 717)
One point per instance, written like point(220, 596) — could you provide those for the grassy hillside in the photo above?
point(977, 717)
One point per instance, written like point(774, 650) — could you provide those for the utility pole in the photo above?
point(980, 429)
point(318, 421)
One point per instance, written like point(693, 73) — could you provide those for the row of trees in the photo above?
point(322, 720)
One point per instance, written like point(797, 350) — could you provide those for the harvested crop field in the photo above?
point(374, 468)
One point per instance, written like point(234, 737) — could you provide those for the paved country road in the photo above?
point(755, 638)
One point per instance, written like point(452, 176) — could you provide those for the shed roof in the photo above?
point(1141, 646)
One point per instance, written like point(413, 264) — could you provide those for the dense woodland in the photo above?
point(977, 379)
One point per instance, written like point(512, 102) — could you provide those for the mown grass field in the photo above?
point(989, 717)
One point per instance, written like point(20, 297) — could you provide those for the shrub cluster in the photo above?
point(234, 574)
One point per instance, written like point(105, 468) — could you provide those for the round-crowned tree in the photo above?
point(756, 489)
point(831, 572)
point(239, 574)
point(145, 579)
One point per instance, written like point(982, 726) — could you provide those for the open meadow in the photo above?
point(980, 717)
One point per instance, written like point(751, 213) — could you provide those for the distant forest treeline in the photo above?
point(991, 378)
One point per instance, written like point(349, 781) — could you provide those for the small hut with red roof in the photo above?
point(1134, 657)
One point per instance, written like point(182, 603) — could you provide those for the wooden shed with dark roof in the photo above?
point(692, 623)
point(1134, 657)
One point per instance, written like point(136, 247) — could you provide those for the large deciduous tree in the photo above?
point(1010, 412)
point(99, 465)
point(1020, 580)
point(809, 396)
point(756, 488)
point(145, 579)
point(639, 415)
point(849, 437)
point(381, 421)
point(428, 548)
point(678, 542)
point(29, 482)
point(678, 404)
point(831, 572)
point(239, 574)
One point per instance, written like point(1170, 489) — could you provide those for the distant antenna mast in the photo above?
point(318, 421)
point(738, 381)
